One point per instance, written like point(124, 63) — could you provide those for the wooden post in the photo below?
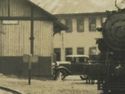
point(29, 59)
point(29, 70)
point(31, 47)
point(32, 33)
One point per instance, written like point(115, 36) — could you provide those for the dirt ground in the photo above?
point(4, 92)
point(72, 85)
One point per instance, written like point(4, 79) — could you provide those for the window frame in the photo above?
point(92, 21)
point(103, 19)
point(78, 50)
point(59, 50)
point(67, 58)
point(69, 24)
point(70, 48)
point(80, 24)
point(90, 50)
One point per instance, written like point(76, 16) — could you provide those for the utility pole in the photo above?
point(62, 46)
point(31, 46)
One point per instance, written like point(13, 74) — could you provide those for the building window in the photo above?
point(103, 19)
point(68, 51)
point(57, 52)
point(80, 24)
point(10, 22)
point(92, 51)
point(80, 51)
point(68, 23)
point(92, 24)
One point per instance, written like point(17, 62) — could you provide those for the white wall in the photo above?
point(76, 39)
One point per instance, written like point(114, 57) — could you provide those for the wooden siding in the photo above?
point(38, 13)
point(20, 8)
point(15, 66)
point(17, 8)
point(15, 40)
point(43, 38)
point(3, 8)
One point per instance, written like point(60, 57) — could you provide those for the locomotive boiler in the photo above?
point(112, 53)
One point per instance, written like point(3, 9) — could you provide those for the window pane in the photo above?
point(80, 24)
point(80, 51)
point(69, 24)
point(92, 54)
point(103, 19)
point(92, 23)
point(92, 51)
point(57, 52)
point(68, 51)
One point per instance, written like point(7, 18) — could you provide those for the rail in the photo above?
point(9, 90)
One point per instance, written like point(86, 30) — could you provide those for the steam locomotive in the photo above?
point(112, 53)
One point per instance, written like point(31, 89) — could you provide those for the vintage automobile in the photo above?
point(72, 66)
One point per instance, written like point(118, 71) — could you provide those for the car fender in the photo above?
point(64, 68)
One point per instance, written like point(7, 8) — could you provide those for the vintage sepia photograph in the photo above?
point(62, 46)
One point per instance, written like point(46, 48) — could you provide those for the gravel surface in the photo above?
point(72, 85)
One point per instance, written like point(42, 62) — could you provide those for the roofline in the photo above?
point(51, 16)
point(83, 14)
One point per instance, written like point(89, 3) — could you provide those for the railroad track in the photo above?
point(11, 91)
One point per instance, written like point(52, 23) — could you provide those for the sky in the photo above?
point(78, 6)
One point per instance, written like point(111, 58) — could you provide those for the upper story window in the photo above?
point(68, 23)
point(80, 24)
point(80, 51)
point(92, 23)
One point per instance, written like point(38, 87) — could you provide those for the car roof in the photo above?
point(86, 56)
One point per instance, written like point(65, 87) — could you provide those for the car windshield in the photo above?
point(77, 58)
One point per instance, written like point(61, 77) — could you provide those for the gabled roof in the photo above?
point(75, 6)
point(58, 26)
point(51, 16)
